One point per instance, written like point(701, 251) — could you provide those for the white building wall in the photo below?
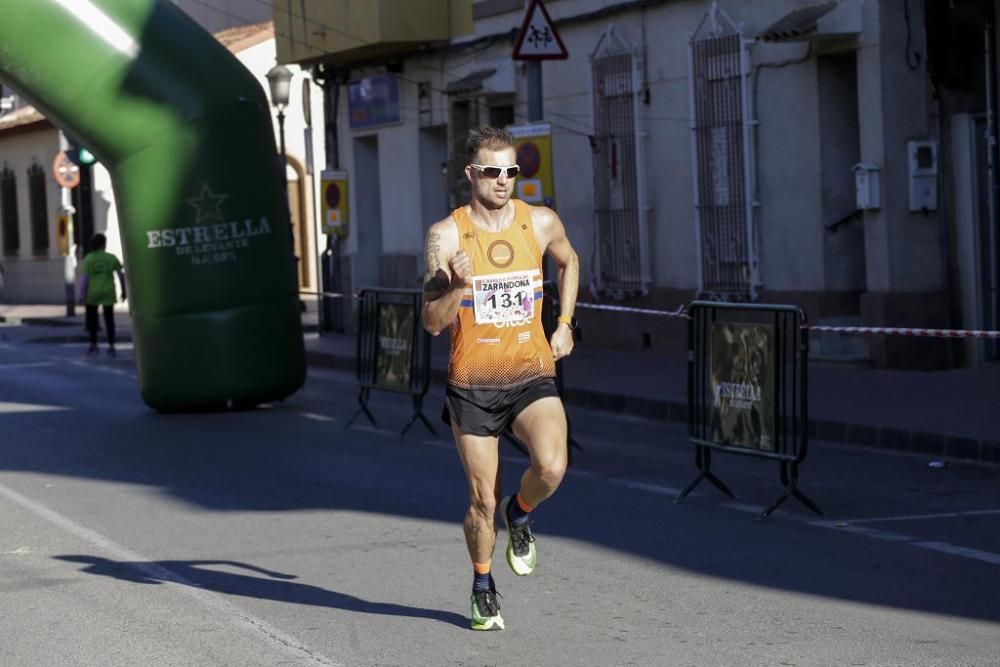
point(789, 175)
point(402, 231)
point(105, 211)
point(259, 59)
point(30, 277)
point(787, 162)
point(668, 148)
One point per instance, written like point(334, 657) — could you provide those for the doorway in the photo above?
point(299, 212)
point(977, 256)
point(433, 174)
point(367, 214)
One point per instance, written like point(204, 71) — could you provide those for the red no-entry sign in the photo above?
point(64, 171)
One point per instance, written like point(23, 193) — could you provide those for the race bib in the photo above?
point(503, 297)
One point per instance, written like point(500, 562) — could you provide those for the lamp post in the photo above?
point(279, 80)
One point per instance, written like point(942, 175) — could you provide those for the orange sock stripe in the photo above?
point(481, 568)
point(525, 507)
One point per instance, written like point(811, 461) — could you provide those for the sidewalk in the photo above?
point(942, 414)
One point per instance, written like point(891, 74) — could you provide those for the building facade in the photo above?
point(783, 151)
point(838, 155)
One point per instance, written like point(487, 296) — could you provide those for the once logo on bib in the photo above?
point(504, 297)
point(501, 254)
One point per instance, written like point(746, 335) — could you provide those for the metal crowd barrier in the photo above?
point(747, 384)
point(394, 350)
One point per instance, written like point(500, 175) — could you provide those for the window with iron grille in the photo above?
point(619, 183)
point(39, 210)
point(8, 211)
point(722, 146)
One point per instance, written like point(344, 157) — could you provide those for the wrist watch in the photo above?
point(568, 320)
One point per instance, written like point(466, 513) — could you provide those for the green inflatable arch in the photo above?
point(186, 133)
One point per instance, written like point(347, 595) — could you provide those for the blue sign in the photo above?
point(374, 101)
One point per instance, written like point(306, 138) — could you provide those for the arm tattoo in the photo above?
point(433, 248)
point(438, 282)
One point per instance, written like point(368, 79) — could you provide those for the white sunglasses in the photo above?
point(493, 171)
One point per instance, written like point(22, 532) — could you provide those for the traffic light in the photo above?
point(79, 155)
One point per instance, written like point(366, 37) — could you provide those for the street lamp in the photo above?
point(279, 80)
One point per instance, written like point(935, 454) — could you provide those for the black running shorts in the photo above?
point(487, 411)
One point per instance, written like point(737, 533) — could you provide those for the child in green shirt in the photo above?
point(97, 288)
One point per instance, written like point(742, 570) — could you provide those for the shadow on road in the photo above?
point(280, 459)
point(270, 585)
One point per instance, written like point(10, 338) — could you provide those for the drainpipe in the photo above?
point(993, 164)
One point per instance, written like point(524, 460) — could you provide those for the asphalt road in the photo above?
point(278, 537)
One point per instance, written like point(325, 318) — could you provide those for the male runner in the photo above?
point(484, 280)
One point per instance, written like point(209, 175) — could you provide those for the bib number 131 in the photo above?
point(506, 297)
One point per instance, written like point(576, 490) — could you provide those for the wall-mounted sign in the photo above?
point(333, 190)
point(533, 143)
point(373, 101)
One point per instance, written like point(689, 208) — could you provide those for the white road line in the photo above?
point(316, 417)
point(213, 601)
point(890, 536)
point(964, 552)
point(884, 535)
point(11, 408)
point(36, 364)
point(100, 367)
point(849, 526)
point(89, 364)
point(922, 517)
point(748, 509)
point(661, 489)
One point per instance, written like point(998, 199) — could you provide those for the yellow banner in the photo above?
point(536, 184)
point(335, 210)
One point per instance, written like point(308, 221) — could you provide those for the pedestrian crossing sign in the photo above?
point(538, 39)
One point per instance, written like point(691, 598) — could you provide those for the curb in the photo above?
point(42, 321)
point(937, 445)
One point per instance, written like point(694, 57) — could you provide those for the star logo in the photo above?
point(207, 204)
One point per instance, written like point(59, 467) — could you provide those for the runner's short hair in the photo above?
point(489, 137)
point(98, 242)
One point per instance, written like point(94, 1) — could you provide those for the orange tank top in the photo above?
point(497, 340)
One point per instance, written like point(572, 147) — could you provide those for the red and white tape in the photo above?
point(847, 331)
point(681, 312)
point(330, 295)
point(902, 331)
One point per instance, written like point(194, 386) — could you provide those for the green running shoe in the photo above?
point(521, 555)
point(486, 611)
